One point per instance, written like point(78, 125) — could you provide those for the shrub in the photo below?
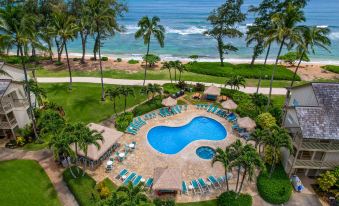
point(76, 59)
point(277, 189)
point(58, 63)
point(132, 61)
point(119, 60)
point(182, 84)
point(292, 57)
point(170, 88)
point(148, 106)
point(331, 68)
point(104, 58)
point(104, 192)
point(232, 199)
point(152, 59)
point(266, 120)
point(199, 87)
point(20, 141)
point(159, 202)
point(122, 121)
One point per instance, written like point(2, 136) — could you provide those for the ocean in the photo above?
point(185, 21)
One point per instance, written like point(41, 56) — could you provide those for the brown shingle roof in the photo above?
point(167, 179)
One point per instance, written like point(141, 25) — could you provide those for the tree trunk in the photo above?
point(33, 51)
point(259, 83)
point(148, 45)
point(50, 51)
point(85, 166)
point(95, 49)
point(101, 73)
point(59, 48)
point(175, 75)
point(17, 51)
point(242, 181)
point(273, 164)
point(252, 61)
point(272, 77)
point(125, 104)
point(220, 50)
point(115, 111)
point(170, 75)
point(28, 93)
point(69, 68)
point(267, 53)
point(180, 76)
point(70, 168)
point(83, 44)
point(227, 187)
point(296, 70)
point(236, 187)
point(76, 155)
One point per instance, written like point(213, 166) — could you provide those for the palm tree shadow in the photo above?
point(57, 88)
point(91, 101)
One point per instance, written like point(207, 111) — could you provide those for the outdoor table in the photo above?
point(208, 183)
point(124, 177)
point(131, 145)
point(122, 154)
point(142, 180)
point(190, 187)
point(109, 163)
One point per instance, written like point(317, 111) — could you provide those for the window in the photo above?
point(295, 103)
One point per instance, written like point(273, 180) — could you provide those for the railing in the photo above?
point(8, 125)
point(5, 107)
point(311, 164)
point(20, 103)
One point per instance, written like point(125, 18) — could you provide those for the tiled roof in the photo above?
point(322, 121)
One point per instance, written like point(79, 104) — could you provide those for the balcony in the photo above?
point(20, 103)
point(8, 125)
point(5, 107)
point(309, 164)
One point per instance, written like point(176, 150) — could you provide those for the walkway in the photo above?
point(250, 90)
point(46, 160)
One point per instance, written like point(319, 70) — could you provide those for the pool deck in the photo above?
point(145, 158)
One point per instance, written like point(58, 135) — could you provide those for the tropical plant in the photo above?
point(153, 89)
point(328, 179)
point(275, 139)
point(223, 21)
point(235, 82)
point(194, 58)
point(285, 29)
point(147, 29)
point(63, 26)
point(49, 122)
point(292, 57)
point(39, 92)
point(112, 200)
point(113, 94)
point(180, 67)
point(236, 149)
point(132, 195)
point(168, 66)
point(255, 34)
point(103, 15)
point(126, 91)
point(258, 137)
point(151, 59)
point(266, 120)
point(224, 157)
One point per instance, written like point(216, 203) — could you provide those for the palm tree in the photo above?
point(250, 160)
point(147, 29)
point(88, 137)
point(255, 34)
point(181, 68)
point(168, 66)
point(153, 89)
point(257, 136)
point(39, 92)
point(275, 139)
point(284, 29)
point(132, 195)
point(224, 157)
point(113, 200)
point(126, 91)
point(311, 37)
point(113, 94)
point(63, 25)
point(236, 151)
point(236, 81)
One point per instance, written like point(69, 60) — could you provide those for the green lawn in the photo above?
point(24, 182)
point(158, 75)
point(204, 203)
point(83, 102)
point(332, 68)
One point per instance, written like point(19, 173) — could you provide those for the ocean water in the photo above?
point(185, 21)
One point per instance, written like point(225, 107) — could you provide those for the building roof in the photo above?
point(321, 121)
point(110, 137)
point(212, 90)
point(14, 73)
point(4, 84)
point(167, 179)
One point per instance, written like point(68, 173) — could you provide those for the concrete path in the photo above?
point(250, 90)
point(46, 160)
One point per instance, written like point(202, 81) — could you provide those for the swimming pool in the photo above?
point(205, 152)
point(171, 140)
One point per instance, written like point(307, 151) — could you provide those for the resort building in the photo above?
point(312, 118)
point(14, 104)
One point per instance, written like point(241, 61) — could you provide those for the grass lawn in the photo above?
point(204, 203)
point(24, 182)
point(159, 75)
point(83, 102)
point(332, 68)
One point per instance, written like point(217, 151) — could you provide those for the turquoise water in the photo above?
point(171, 140)
point(206, 153)
point(185, 21)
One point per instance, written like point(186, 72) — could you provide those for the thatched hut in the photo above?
point(212, 93)
point(167, 180)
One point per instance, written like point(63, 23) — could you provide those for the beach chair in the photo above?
point(154, 114)
point(203, 185)
point(196, 186)
point(121, 173)
point(185, 107)
point(214, 182)
point(129, 178)
point(131, 131)
point(149, 183)
point(209, 108)
point(184, 189)
point(214, 109)
point(141, 120)
point(137, 180)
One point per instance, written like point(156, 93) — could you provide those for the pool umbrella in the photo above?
point(247, 123)
point(169, 102)
point(229, 104)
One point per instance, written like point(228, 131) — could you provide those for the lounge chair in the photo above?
point(184, 189)
point(203, 185)
point(131, 131)
point(210, 107)
point(141, 120)
point(149, 183)
point(214, 109)
point(196, 187)
point(129, 178)
point(186, 107)
point(214, 182)
point(121, 173)
point(137, 180)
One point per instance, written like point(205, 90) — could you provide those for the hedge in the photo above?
point(231, 198)
point(277, 189)
point(245, 70)
point(170, 88)
point(122, 121)
point(148, 106)
point(332, 68)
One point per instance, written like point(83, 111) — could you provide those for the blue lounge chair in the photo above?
point(137, 180)
point(186, 107)
point(196, 186)
point(214, 182)
point(121, 173)
point(141, 120)
point(131, 131)
point(210, 107)
point(214, 109)
point(149, 183)
point(203, 185)
point(129, 178)
point(184, 188)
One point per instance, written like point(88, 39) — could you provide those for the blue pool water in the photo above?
point(171, 140)
point(205, 152)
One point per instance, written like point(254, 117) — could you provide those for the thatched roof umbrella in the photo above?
point(169, 102)
point(247, 123)
point(167, 179)
point(229, 105)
